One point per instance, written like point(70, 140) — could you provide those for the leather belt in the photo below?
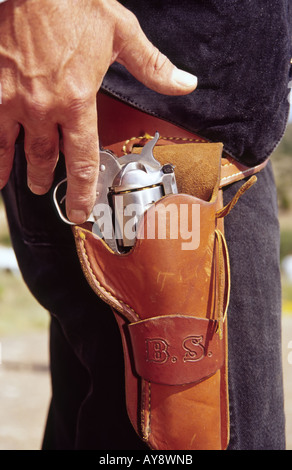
point(122, 126)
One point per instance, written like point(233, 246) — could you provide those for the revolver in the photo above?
point(127, 186)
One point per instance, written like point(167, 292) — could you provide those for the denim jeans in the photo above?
point(88, 404)
point(240, 51)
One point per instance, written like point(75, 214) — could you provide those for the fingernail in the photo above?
point(38, 190)
point(184, 78)
point(77, 216)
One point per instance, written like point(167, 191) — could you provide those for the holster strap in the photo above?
point(176, 349)
point(232, 171)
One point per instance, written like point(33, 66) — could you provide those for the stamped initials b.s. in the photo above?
point(192, 350)
point(156, 350)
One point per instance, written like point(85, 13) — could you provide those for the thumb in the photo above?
point(146, 63)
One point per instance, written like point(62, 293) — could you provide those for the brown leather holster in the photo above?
point(170, 294)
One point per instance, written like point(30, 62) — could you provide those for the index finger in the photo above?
point(81, 150)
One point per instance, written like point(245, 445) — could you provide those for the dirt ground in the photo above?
point(25, 388)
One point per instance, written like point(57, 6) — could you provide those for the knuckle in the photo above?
point(8, 92)
point(82, 201)
point(37, 108)
point(130, 21)
point(83, 172)
point(4, 144)
point(127, 30)
point(157, 61)
point(79, 99)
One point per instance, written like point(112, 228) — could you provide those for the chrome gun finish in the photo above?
point(127, 186)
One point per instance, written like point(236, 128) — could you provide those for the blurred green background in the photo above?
point(19, 311)
point(282, 164)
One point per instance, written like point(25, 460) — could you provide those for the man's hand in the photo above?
point(53, 57)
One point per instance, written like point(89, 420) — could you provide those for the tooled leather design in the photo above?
point(176, 349)
point(138, 294)
point(169, 269)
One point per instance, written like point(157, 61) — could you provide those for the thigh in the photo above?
point(254, 318)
